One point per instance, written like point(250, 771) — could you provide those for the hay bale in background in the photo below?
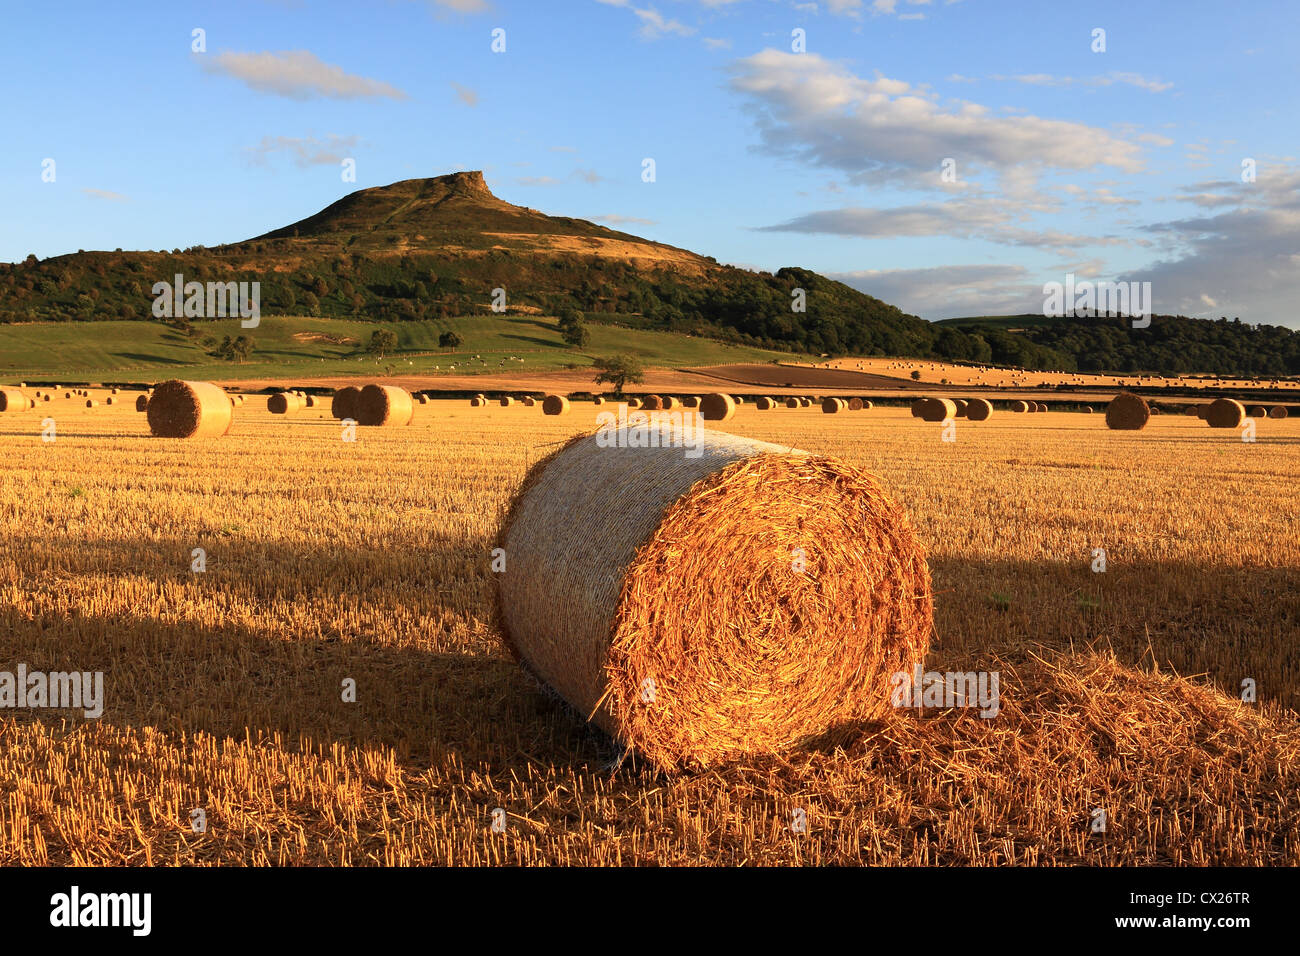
point(1277, 411)
point(110, 400)
point(308, 400)
point(805, 403)
point(598, 400)
point(717, 407)
point(979, 409)
point(855, 404)
point(91, 403)
point(691, 401)
point(422, 399)
point(600, 600)
point(555, 405)
point(1258, 411)
point(792, 403)
point(634, 403)
point(529, 401)
point(917, 406)
point(1087, 409)
point(671, 403)
point(867, 404)
point(1225, 413)
point(738, 399)
point(384, 405)
point(937, 409)
point(180, 409)
point(344, 403)
point(12, 400)
point(507, 401)
point(763, 404)
point(652, 403)
point(1192, 410)
point(831, 406)
point(477, 402)
point(141, 402)
point(1201, 411)
point(1127, 412)
point(961, 404)
point(282, 403)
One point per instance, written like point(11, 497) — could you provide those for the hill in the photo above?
point(430, 249)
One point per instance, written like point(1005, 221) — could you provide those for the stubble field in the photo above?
point(328, 560)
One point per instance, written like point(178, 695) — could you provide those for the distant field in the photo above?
point(299, 347)
point(370, 561)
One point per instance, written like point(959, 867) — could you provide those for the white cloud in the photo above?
point(465, 94)
point(104, 194)
point(296, 74)
point(614, 219)
point(653, 24)
point(945, 292)
point(305, 150)
point(1108, 79)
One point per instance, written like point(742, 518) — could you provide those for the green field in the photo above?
point(295, 347)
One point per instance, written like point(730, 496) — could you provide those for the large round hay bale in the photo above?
point(717, 407)
point(1225, 413)
point(1258, 411)
point(672, 403)
point(385, 405)
point(979, 409)
point(765, 404)
point(805, 403)
point(282, 403)
point(12, 399)
point(141, 402)
point(831, 406)
point(477, 402)
point(529, 401)
point(961, 404)
point(691, 401)
point(1192, 410)
point(792, 403)
point(1277, 411)
point(555, 405)
point(855, 404)
point(1020, 407)
point(507, 401)
point(344, 403)
point(1127, 412)
point(937, 409)
point(918, 405)
point(673, 650)
point(189, 410)
point(652, 403)
point(634, 403)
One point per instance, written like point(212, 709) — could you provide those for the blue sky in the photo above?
point(1117, 164)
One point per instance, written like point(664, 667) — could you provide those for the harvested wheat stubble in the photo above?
point(12, 400)
point(979, 409)
point(632, 591)
point(1225, 413)
point(793, 403)
point(1277, 411)
point(555, 405)
point(937, 409)
point(763, 404)
point(385, 405)
point(717, 407)
point(1127, 412)
point(691, 401)
point(189, 410)
point(344, 403)
point(141, 402)
point(282, 403)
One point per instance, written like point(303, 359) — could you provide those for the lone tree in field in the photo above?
point(916, 376)
point(382, 341)
point(450, 340)
point(618, 371)
point(576, 336)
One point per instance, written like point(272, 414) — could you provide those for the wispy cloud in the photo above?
point(305, 150)
point(653, 23)
point(296, 74)
point(465, 94)
point(104, 194)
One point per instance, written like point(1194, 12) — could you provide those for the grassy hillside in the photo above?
point(289, 346)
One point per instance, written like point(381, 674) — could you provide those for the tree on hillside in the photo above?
point(450, 340)
point(618, 370)
point(381, 342)
point(916, 376)
point(576, 336)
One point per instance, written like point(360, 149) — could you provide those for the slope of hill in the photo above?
point(435, 248)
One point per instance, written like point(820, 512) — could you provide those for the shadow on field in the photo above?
point(150, 358)
point(189, 661)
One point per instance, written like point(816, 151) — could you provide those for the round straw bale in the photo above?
point(113, 392)
point(1277, 411)
point(1155, 409)
point(529, 401)
point(937, 409)
point(634, 403)
point(308, 400)
point(1042, 406)
point(805, 402)
point(739, 399)
point(141, 402)
point(344, 404)
point(282, 403)
point(1258, 411)
point(237, 399)
point(507, 401)
point(477, 402)
point(1225, 413)
point(764, 404)
point(555, 405)
point(385, 405)
point(867, 403)
point(673, 649)
point(717, 407)
point(978, 409)
point(598, 400)
point(691, 401)
point(1087, 409)
point(67, 394)
point(189, 410)
point(792, 403)
point(1192, 410)
point(961, 404)
point(855, 404)
point(671, 402)
point(31, 403)
point(1127, 412)
point(1020, 407)
point(422, 399)
point(110, 400)
point(12, 399)
point(652, 403)
point(831, 405)
point(91, 403)
point(45, 397)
